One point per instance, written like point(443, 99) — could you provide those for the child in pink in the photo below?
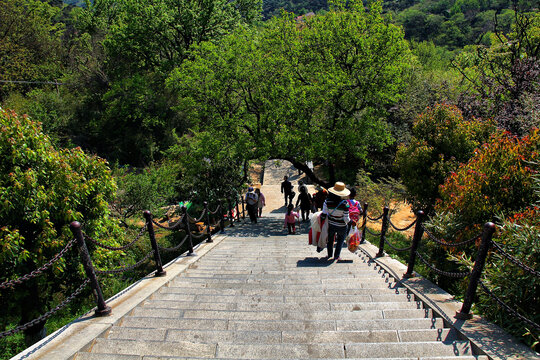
point(290, 219)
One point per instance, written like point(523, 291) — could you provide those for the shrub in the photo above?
point(498, 179)
point(441, 140)
point(42, 190)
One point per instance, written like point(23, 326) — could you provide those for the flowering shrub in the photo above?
point(42, 190)
point(441, 140)
point(498, 179)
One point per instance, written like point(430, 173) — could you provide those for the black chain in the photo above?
point(127, 246)
point(176, 247)
point(444, 243)
point(215, 211)
point(395, 248)
point(508, 308)
point(199, 236)
point(372, 233)
point(442, 272)
point(405, 228)
point(375, 219)
point(126, 268)
point(173, 227)
point(39, 271)
point(48, 314)
point(515, 260)
point(196, 220)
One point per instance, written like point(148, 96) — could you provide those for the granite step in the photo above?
point(276, 337)
point(282, 306)
point(228, 350)
point(282, 325)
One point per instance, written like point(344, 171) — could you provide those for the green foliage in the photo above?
point(378, 194)
point(30, 42)
point(441, 140)
point(42, 190)
point(316, 90)
point(498, 179)
point(144, 189)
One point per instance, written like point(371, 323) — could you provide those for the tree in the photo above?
point(317, 89)
point(30, 42)
point(42, 190)
point(442, 139)
point(504, 79)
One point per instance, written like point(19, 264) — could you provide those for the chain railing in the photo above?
point(81, 239)
point(514, 260)
point(38, 271)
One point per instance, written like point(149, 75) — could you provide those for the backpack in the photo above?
point(354, 211)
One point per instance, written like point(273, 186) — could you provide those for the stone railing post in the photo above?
point(221, 217)
point(384, 228)
point(230, 214)
point(188, 230)
point(476, 273)
point(418, 232)
point(150, 227)
point(208, 230)
point(102, 308)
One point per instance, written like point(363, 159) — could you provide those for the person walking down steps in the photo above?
point(290, 219)
point(252, 201)
point(336, 208)
point(286, 189)
point(261, 202)
point(304, 199)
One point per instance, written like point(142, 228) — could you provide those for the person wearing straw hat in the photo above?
point(336, 208)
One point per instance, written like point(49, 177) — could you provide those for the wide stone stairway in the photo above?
point(263, 294)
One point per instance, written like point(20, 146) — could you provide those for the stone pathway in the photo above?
point(263, 294)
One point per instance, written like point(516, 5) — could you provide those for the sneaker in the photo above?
point(337, 259)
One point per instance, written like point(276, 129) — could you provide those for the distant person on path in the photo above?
point(286, 189)
point(261, 202)
point(319, 197)
point(290, 219)
point(252, 199)
point(304, 198)
point(336, 208)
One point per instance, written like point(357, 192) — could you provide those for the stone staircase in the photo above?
point(262, 294)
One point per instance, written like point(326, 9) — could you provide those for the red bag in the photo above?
point(353, 239)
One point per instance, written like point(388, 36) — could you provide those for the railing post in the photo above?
point(384, 228)
point(208, 231)
point(364, 221)
point(237, 210)
point(243, 208)
point(150, 227)
point(102, 308)
point(221, 217)
point(188, 230)
point(418, 232)
point(230, 214)
point(476, 273)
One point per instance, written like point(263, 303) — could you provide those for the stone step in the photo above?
point(279, 290)
point(280, 351)
point(280, 298)
point(282, 325)
point(282, 315)
point(343, 283)
point(276, 337)
point(200, 276)
point(282, 306)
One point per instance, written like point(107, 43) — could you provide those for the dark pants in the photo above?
point(291, 227)
point(305, 214)
point(252, 212)
point(340, 232)
point(288, 199)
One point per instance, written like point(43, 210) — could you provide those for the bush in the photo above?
point(498, 179)
point(42, 190)
point(441, 140)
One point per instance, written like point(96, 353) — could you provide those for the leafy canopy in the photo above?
point(317, 89)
